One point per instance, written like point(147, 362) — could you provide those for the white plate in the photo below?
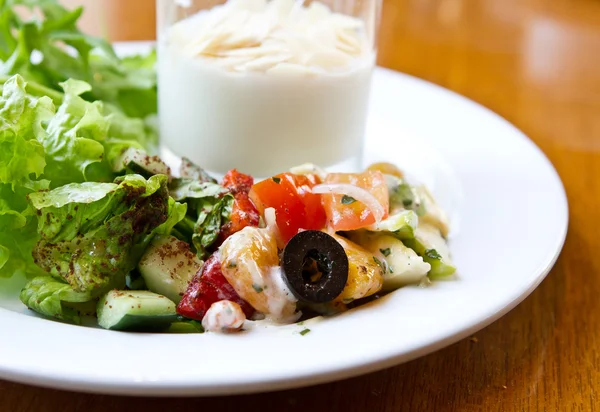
point(509, 223)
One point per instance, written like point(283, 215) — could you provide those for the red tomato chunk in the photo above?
point(207, 287)
point(296, 207)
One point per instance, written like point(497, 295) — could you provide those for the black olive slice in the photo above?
point(315, 266)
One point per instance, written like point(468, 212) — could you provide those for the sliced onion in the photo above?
point(271, 222)
point(355, 192)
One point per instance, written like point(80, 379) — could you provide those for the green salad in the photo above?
point(101, 227)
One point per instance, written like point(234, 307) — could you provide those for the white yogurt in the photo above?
point(261, 86)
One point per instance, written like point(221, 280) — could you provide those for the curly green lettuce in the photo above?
point(48, 48)
point(44, 147)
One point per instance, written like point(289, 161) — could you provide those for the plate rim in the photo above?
point(172, 388)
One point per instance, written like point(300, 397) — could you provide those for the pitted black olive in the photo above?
point(315, 266)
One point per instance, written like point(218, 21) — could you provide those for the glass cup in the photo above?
point(264, 85)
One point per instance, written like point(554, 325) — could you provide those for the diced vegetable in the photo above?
point(168, 266)
point(183, 325)
point(207, 287)
point(402, 265)
point(243, 211)
point(347, 213)
point(431, 246)
point(237, 182)
point(137, 161)
point(135, 310)
point(188, 169)
point(296, 207)
point(403, 225)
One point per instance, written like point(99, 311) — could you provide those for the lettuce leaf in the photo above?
point(208, 208)
point(51, 297)
point(51, 49)
point(22, 161)
point(188, 189)
point(212, 214)
point(93, 234)
point(21, 116)
point(18, 234)
point(53, 131)
point(176, 214)
point(42, 147)
point(74, 136)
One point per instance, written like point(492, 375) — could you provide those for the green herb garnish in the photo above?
point(432, 254)
point(380, 263)
point(276, 179)
point(257, 288)
point(304, 331)
point(385, 252)
point(348, 200)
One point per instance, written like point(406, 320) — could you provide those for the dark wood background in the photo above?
point(535, 62)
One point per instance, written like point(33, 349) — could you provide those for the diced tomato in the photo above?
point(237, 182)
point(296, 207)
point(354, 214)
point(207, 287)
point(243, 211)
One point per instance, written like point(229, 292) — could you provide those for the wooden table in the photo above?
point(535, 62)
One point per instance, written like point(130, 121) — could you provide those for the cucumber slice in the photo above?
point(186, 326)
point(431, 246)
point(402, 225)
point(402, 265)
point(137, 161)
point(168, 266)
point(136, 310)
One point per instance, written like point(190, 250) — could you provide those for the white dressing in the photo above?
point(252, 80)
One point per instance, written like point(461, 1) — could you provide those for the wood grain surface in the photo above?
point(535, 62)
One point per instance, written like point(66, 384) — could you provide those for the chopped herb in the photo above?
point(257, 288)
point(380, 263)
point(276, 179)
point(348, 200)
point(385, 252)
point(300, 323)
point(432, 254)
point(407, 203)
point(304, 331)
point(391, 270)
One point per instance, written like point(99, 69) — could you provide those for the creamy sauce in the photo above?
point(262, 85)
point(280, 299)
point(249, 260)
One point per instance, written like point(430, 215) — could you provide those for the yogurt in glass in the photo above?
point(264, 85)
